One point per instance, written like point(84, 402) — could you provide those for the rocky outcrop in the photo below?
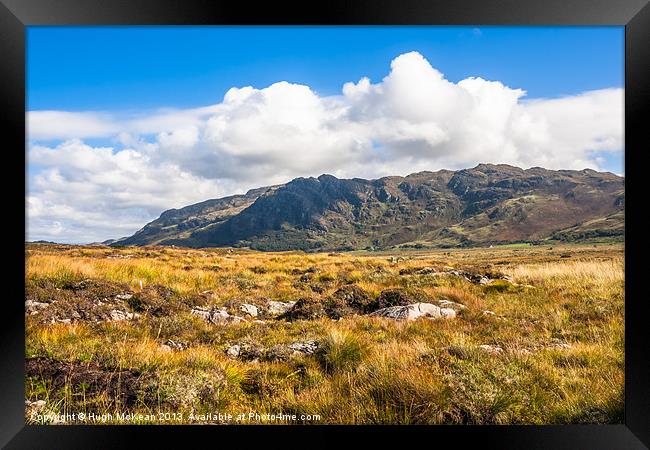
point(217, 316)
point(280, 352)
point(414, 311)
point(249, 309)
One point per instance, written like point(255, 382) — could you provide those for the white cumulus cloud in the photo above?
point(414, 119)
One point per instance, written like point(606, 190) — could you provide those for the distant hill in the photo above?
point(487, 204)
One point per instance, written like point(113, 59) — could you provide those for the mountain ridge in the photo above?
point(486, 204)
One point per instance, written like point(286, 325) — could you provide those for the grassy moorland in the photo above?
point(540, 339)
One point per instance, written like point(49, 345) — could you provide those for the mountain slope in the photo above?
point(483, 205)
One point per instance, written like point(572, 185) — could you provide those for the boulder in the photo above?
point(249, 309)
point(414, 311)
point(444, 303)
point(233, 351)
point(203, 313)
point(276, 308)
point(448, 313)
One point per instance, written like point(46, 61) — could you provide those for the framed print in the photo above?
point(371, 218)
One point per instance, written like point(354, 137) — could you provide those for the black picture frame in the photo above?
point(15, 15)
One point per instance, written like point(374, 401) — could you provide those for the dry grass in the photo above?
point(559, 325)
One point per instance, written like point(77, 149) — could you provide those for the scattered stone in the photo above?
point(276, 308)
point(484, 280)
point(124, 296)
point(489, 313)
point(520, 351)
point(307, 347)
point(38, 404)
point(203, 313)
point(396, 259)
point(249, 309)
point(118, 315)
point(492, 349)
point(233, 351)
point(560, 345)
point(414, 311)
point(281, 352)
point(175, 345)
point(33, 307)
point(33, 408)
point(215, 315)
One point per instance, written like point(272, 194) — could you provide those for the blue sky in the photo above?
point(125, 122)
point(79, 68)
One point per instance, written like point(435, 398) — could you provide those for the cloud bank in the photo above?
point(414, 119)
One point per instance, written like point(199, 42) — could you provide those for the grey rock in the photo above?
point(117, 315)
point(249, 309)
point(448, 313)
point(203, 313)
point(279, 307)
point(216, 315)
point(175, 345)
point(307, 347)
point(412, 312)
point(233, 351)
point(32, 306)
point(492, 349)
point(484, 280)
point(449, 304)
point(124, 296)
